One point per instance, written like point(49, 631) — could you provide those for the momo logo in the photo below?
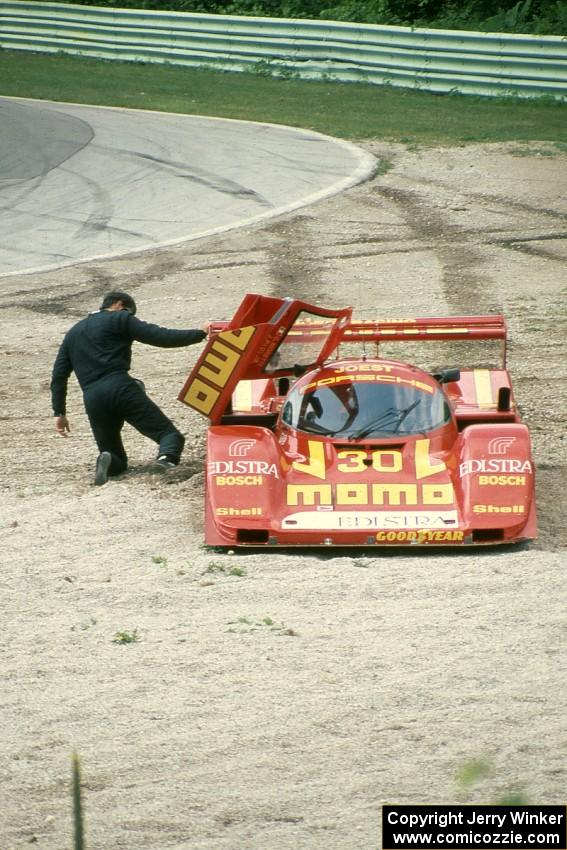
point(322, 495)
point(500, 445)
point(215, 369)
point(240, 448)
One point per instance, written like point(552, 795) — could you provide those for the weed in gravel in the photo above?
point(126, 637)
point(214, 567)
point(239, 625)
point(471, 772)
point(513, 798)
point(244, 625)
point(158, 559)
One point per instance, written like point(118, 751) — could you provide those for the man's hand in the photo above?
point(62, 426)
point(206, 327)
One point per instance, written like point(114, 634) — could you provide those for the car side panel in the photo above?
point(496, 478)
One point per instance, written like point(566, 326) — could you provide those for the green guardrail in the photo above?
point(431, 60)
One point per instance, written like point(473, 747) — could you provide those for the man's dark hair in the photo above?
point(127, 301)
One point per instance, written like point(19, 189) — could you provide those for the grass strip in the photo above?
point(346, 110)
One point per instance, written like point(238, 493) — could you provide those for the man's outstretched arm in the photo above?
point(163, 337)
point(62, 368)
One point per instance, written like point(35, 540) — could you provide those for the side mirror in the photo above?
point(504, 396)
point(447, 376)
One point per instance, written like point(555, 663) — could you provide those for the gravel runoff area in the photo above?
point(278, 699)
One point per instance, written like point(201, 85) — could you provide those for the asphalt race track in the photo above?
point(79, 183)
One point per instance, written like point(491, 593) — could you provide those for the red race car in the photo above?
point(312, 446)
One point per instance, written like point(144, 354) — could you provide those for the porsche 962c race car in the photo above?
point(308, 446)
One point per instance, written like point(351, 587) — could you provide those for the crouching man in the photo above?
point(98, 349)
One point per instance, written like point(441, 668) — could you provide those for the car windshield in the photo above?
point(355, 410)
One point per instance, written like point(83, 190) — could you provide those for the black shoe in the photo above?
point(102, 466)
point(164, 463)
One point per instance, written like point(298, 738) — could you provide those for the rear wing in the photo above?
point(477, 327)
point(491, 327)
point(269, 338)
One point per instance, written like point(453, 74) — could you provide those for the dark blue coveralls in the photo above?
point(99, 350)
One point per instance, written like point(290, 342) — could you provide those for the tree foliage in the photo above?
point(520, 16)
